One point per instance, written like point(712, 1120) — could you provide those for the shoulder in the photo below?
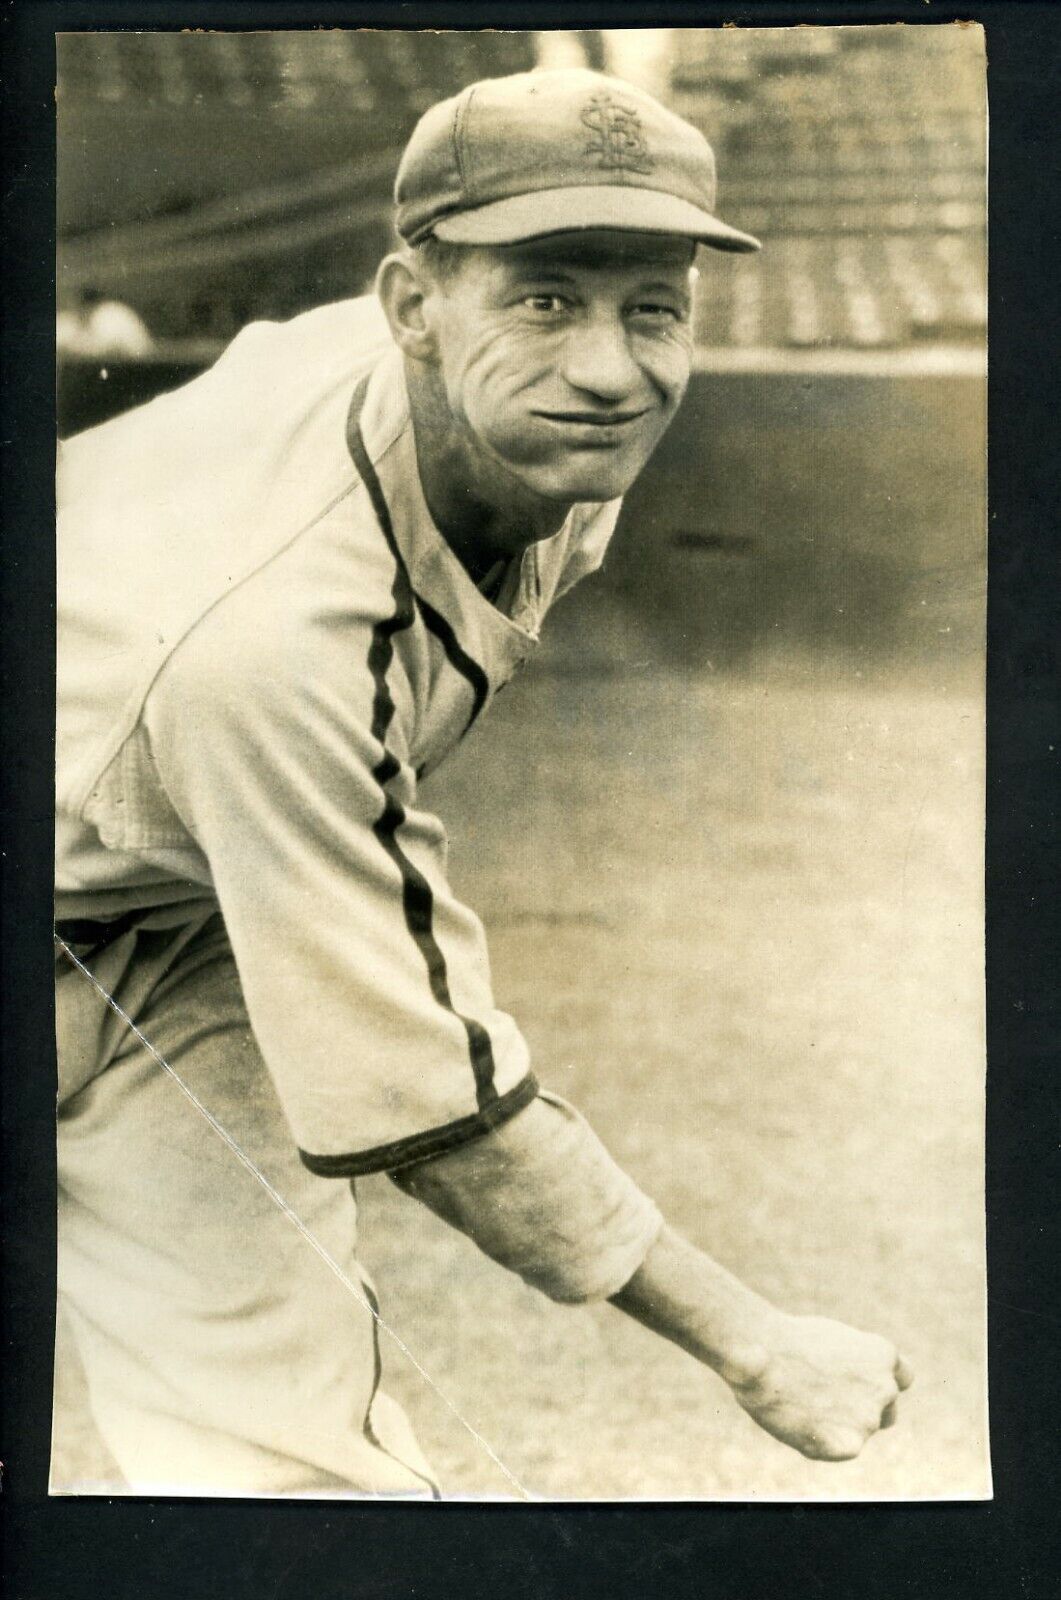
point(198, 488)
point(266, 388)
point(182, 520)
point(343, 339)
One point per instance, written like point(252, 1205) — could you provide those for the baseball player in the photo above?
point(286, 592)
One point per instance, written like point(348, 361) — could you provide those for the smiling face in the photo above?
point(563, 360)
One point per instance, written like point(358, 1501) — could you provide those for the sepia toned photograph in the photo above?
point(578, 1097)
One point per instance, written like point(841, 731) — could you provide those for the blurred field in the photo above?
point(738, 919)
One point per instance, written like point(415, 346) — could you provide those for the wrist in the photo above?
point(690, 1299)
point(745, 1345)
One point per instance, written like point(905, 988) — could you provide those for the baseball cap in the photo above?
point(552, 151)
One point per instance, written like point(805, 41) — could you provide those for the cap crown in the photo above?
point(546, 130)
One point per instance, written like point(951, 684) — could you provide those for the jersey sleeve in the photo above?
point(280, 731)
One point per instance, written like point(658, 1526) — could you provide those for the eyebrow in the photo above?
point(534, 272)
point(660, 286)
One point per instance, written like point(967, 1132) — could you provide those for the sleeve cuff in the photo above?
point(424, 1146)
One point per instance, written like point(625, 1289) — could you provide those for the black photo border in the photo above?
point(62, 1549)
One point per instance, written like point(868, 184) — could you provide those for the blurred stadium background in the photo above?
point(738, 912)
point(210, 178)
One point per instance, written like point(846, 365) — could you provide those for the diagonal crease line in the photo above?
point(293, 1217)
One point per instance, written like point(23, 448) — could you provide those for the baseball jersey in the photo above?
point(265, 642)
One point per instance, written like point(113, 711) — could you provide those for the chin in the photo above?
point(606, 481)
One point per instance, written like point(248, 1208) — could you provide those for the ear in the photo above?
point(402, 291)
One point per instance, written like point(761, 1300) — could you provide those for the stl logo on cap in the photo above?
point(620, 142)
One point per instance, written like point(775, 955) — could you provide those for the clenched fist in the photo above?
point(822, 1387)
point(815, 1384)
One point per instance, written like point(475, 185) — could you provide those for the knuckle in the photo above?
point(886, 1393)
point(888, 1354)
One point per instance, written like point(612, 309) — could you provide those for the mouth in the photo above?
point(593, 430)
point(592, 419)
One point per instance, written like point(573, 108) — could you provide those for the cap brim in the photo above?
point(622, 207)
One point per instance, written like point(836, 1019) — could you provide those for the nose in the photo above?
point(597, 360)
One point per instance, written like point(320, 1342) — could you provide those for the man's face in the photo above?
point(564, 359)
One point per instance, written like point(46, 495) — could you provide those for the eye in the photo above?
point(655, 314)
point(546, 305)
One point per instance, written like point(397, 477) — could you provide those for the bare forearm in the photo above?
point(680, 1293)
